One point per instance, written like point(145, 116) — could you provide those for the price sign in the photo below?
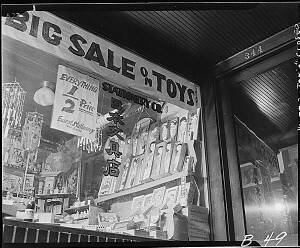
point(75, 103)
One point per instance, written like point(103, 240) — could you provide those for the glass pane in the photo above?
point(148, 161)
point(269, 190)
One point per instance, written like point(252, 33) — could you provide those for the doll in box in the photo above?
point(148, 162)
point(173, 129)
point(132, 173)
point(165, 164)
point(139, 171)
point(192, 127)
point(188, 164)
point(157, 160)
point(164, 131)
point(178, 157)
point(124, 174)
point(182, 129)
point(141, 142)
point(127, 147)
point(134, 138)
point(142, 135)
point(153, 133)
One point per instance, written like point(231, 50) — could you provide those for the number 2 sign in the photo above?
point(75, 103)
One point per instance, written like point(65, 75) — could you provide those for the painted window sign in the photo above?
point(114, 149)
point(112, 168)
point(115, 130)
point(115, 117)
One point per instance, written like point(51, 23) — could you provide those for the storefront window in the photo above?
point(269, 190)
point(144, 174)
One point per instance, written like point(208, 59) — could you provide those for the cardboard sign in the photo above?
point(75, 103)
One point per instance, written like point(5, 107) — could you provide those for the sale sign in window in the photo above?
point(75, 103)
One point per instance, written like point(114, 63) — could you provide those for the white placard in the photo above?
point(75, 103)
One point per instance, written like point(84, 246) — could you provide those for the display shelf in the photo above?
point(9, 169)
point(83, 218)
point(72, 210)
point(49, 196)
point(14, 194)
point(142, 187)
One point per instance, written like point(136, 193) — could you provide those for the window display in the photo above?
point(99, 152)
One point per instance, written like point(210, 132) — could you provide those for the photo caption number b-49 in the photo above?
point(251, 53)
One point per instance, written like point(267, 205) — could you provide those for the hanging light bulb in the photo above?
point(45, 95)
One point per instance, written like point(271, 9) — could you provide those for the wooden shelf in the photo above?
point(49, 196)
point(83, 218)
point(75, 209)
point(142, 187)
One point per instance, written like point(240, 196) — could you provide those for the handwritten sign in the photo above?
point(75, 103)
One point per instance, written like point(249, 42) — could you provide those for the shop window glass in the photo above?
point(269, 186)
point(147, 176)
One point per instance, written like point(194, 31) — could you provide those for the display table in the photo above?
point(16, 231)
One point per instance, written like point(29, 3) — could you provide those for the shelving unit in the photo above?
point(142, 187)
point(84, 218)
point(51, 196)
point(44, 197)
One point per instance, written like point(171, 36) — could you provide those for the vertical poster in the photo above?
point(75, 103)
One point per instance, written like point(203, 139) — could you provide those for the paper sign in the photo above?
point(75, 103)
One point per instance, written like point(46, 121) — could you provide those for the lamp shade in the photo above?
point(44, 96)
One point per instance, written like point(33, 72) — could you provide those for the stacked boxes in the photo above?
point(198, 222)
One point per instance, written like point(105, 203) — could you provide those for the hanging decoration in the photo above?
point(92, 146)
point(31, 137)
point(31, 132)
point(13, 97)
point(13, 152)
